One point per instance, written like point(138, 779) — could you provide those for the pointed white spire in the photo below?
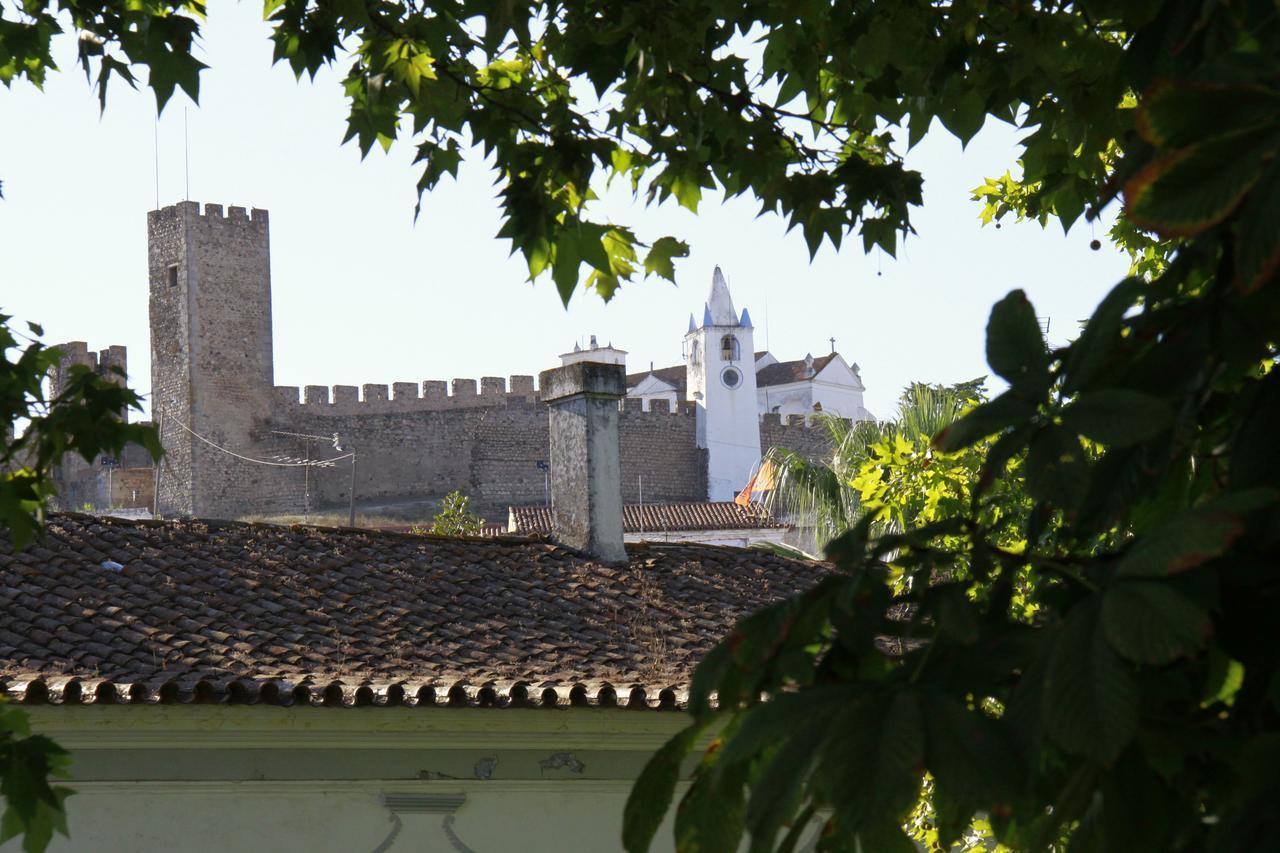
point(720, 302)
point(692, 325)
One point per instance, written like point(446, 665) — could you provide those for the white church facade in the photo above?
point(732, 385)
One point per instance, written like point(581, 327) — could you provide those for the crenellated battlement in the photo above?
point(659, 410)
point(212, 214)
point(803, 434)
point(774, 421)
point(442, 395)
point(635, 406)
point(431, 394)
point(78, 352)
point(100, 362)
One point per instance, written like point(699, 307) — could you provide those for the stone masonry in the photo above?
point(232, 437)
point(123, 482)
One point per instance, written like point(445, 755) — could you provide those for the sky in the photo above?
point(362, 293)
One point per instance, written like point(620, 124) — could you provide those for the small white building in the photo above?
point(607, 354)
point(807, 385)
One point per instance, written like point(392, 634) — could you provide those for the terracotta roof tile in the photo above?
point(676, 376)
point(784, 372)
point(778, 373)
point(232, 612)
point(674, 518)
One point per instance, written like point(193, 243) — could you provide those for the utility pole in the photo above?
point(546, 481)
point(351, 520)
point(110, 464)
point(155, 479)
point(306, 483)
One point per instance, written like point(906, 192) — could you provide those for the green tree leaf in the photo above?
point(971, 762)
point(1117, 417)
point(658, 260)
point(872, 773)
point(652, 793)
point(1168, 116)
point(1186, 191)
point(1098, 342)
point(1150, 622)
point(779, 790)
point(1015, 345)
point(984, 420)
point(711, 814)
point(1056, 471)
point(1258, 234)
point(1090, 698)
point(1194, 537)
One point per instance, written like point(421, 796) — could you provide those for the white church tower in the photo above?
point(721, 377)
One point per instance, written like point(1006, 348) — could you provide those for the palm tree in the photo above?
point(818, 494)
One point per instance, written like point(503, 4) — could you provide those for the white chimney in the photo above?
point(586, 469)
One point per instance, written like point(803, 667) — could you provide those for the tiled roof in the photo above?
point(784, 372)
point(674, 518)
point(108, 610)
point(779, 373)
point(676, 377)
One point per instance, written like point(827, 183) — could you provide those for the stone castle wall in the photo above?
point(485, 441)
point(486, 444)
point(796, 433)
point(100, 482)
point(489, 451)
point(212, 384)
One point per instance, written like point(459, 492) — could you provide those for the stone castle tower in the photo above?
point(211, 357)
point(721, 377)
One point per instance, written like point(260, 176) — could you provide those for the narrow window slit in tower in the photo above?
point(173, 276)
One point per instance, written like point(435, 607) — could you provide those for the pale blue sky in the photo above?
point(362, 294)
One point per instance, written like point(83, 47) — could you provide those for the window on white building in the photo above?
point(729, 348)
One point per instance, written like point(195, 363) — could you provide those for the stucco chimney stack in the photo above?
point(586, 472)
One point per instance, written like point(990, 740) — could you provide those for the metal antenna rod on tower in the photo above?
point(186, 154)
point(156, 140)
point(766, 317)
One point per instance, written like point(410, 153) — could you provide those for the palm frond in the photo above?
point(818, 494)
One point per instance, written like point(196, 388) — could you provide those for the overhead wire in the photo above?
point(318, 463)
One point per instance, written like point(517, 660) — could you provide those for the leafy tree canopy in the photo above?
point(1135, 707)
point(456, 518)
point(806, 106)
point(828, 495)
point(1071, 644)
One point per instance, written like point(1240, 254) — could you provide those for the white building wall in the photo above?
point(651, 388)
point(197, 778)
point(329, 817)
point(669, 396)
point(798, 398)
point(728, 422)
point(734, 538)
